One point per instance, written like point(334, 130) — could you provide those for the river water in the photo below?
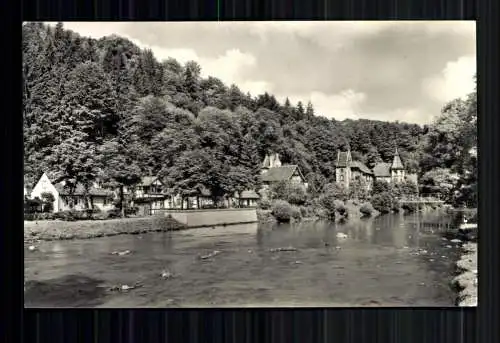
point(392, 260)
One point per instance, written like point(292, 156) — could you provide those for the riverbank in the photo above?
point(352, 209)
point(62, 230)
point(466, 282)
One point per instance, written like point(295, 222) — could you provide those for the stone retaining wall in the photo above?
point(203, 218)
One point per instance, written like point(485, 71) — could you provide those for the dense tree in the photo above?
point(74, 161)
point(214, 93)
point(300, 110)
point(118, 169)
point(309, 110)
point(449, 161)
point(88, 103)
point(148, 77)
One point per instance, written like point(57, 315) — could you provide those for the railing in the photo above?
point(421, 199)
point(151, 195)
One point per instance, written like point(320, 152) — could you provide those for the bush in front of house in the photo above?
point(96, 209)
point(307, 211)
point(296, 194)
point(48, 201)
point(39, 216)
point(473, 217)
point(282, 211)
point(72, 215)
point(114, 213)
point(131, 210)
point(336, 190)
point(382, 202)
point(279, 190)
point(341, 209)
point(29, 216)
point(395, 205)
point(409, 207)
point(366, 209)
point(264, 204)
point(296, 213)
point(291, 192)
point(327, 203)
point(380, 187)
point(66, 215)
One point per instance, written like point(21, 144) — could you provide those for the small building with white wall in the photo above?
point(63, 200)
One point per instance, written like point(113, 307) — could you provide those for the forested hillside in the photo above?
point(105, 109)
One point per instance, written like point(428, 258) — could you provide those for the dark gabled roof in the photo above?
point(282, 173)
point(396, 163)
point(361, 166)
point(148, 180)
point(247, 195)
point(342, 159)
point(80, 190)
point(382, 170)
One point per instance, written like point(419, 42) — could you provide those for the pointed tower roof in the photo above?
point(275, 160)
point(396, 162)
point(271, 161)
point(266, 162)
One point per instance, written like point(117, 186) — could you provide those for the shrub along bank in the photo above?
point(74, 215)
point(335, 210)
point(288, 202)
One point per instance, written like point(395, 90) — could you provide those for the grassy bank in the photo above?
point(62, 230)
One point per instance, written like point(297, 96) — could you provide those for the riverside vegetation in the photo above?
point(290, 202)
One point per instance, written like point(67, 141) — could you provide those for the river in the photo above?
point(392, 260)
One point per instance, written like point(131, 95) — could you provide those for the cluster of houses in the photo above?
point(347, 170)
point(151, 195)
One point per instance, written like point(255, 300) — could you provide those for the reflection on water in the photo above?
point(392, 260)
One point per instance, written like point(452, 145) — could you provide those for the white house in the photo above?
point(63, 200)
point(44, 185)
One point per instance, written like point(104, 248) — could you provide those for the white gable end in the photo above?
point(44, 185)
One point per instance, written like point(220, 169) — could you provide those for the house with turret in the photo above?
point(391, 172)
point(273, 171)
point(347, 170)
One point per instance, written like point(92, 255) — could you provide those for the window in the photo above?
point(341, 177)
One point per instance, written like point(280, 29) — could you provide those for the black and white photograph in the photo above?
point(250, 164)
